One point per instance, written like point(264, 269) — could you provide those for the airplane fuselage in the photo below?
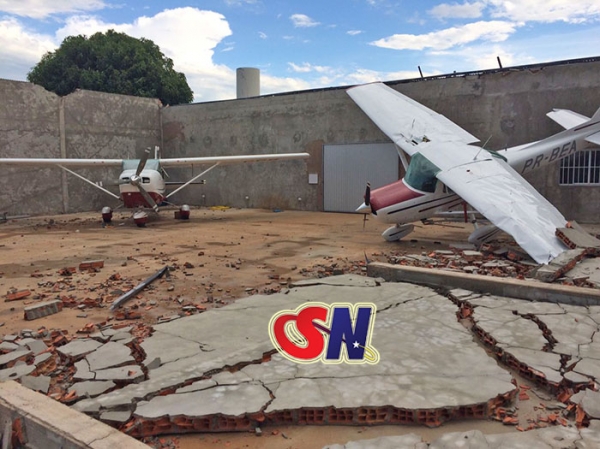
point(419, 195)
point(151, 180)
point(400, 203)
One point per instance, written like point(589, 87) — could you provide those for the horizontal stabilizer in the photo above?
point(567, 119)
point(594, 138)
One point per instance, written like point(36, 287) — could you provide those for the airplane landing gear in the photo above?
point(484, 234)
point(184, 212)
point(107, 214)
point(397, 232)
point(140, 218)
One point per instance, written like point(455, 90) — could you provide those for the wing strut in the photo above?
point(88, 181)
point(191, 180)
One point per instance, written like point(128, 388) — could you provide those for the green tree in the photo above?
point(111, 62)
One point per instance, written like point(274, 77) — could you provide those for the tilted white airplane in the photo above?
point(489, 181)
point(142, 183)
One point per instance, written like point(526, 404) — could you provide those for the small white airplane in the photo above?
point(142, 182)
point(489, 181)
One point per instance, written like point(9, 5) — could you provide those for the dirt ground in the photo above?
point(215, 257)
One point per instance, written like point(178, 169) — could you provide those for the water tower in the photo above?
point(248, 82)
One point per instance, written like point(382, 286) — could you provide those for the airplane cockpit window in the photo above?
point(145, 180)
point(421, 174)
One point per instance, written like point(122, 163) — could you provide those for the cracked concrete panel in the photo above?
point(232, 400)
point(168, 348)
point(547, 363)
point(427, 359)
point(129, 373)
point(589, 367)
point(410, 441)
point(92, 388)
point(571, 330)
point(78, 348)
point(345, 280)
point(590, 436)
point(109, 355)
point(407, 392)
point(510, 330)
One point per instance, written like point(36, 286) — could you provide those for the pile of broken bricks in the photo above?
point(67, 368)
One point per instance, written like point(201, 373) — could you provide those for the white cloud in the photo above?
point(262, 35)
point(354, 32)
point(570, 11)
point(458, 11)
point(39, 9)
point(21, 49)
point(303, 21)
point(494, 31)
point(308, 68)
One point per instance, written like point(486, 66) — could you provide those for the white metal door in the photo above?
point(348, 168)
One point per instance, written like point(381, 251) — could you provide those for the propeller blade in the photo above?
point(147, 197)
point(143, 161)
point(368, 194)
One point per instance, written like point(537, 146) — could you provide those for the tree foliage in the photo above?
point(111, 62)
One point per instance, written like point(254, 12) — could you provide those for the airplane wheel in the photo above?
point(397, 232)
point(107, 214)
point(184, 212)
point(140, 219)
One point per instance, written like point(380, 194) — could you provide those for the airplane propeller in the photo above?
point(136, 181)
point(367, 202)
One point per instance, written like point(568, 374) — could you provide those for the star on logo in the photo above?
point(355, 344)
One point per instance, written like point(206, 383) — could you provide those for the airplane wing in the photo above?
point(406, 122)
point(222, 160)
point(490, 185)
point(48, 162)
point(567, 119)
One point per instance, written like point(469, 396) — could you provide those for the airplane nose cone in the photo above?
point(363, 209)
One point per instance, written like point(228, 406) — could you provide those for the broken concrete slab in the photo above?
point(116, 417)
point(37, 383)
point(560, 265)
point(109, 355)
point(16, 372)
point(37, 346)
point(411, 441)
point(6, 346)
point(250, 396)
point(590, 402)
point(82, 371)
point(78, 348)
point(416, 333)
point(130, 373)
point(13, 356)
point(92, 388)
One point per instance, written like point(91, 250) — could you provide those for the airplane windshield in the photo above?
point(421, 174)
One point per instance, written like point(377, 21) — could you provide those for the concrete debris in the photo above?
point(43, 309)
point(548, 438)
point(235, 382)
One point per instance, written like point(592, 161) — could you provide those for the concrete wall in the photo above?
point(38, 123)
point(507, 106)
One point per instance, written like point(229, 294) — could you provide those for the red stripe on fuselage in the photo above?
point(135, 199)
point(391, 194)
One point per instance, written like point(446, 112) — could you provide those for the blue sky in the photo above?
point(310, 44)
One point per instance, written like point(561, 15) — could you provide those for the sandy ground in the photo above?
point(216, 256)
